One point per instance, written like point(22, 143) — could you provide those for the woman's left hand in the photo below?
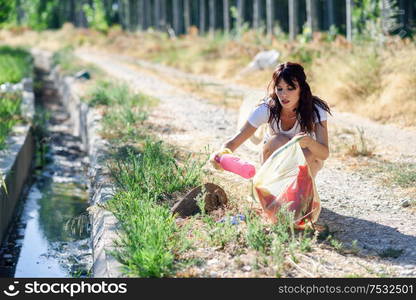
point(305, 141)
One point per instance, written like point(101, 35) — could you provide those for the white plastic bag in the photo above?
point(285, 179)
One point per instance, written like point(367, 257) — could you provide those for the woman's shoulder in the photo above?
point(322, 113)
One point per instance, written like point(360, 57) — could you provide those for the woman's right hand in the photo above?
point(213, 161)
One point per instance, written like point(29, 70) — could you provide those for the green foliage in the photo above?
point(96, 15)
point(15, 64)
point(150, 236)
point(9, 115)
point(7, 9)
point(144, 178)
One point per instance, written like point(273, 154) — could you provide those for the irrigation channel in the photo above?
point(50, 233)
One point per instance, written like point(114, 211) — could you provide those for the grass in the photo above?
point(15, 64)
point(69, 64)
point(361, 146)
point(145, 175)
point(9, 115)
point(400, 174)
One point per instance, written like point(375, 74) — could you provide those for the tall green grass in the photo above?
point(9, 115)
point(150, 236)
point(15, 64)
point(145, 176)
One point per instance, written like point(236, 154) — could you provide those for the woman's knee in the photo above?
point(275, 142)
point(314, 164)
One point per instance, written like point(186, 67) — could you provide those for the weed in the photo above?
point(15, 64)
point(338, 245)
point(257, 236)
point(361, 147)
point(150, 236)
point(402, 174)
point(10, 115)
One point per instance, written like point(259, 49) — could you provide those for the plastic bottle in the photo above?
point(236, 165)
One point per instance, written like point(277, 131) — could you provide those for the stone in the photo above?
point(264, 60)
point(405, 203)
point(246, 268)
point(215, 197)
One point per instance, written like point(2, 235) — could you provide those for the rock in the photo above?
point(405, 203)
point(215, 197)
point(246, 268)
point(264, 60)
point(213, 274)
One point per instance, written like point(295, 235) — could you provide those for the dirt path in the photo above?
point(360, 212)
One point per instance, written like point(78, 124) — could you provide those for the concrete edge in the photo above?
point(16, 159)
point(86, 122)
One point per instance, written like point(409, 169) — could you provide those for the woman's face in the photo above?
point(288, 96)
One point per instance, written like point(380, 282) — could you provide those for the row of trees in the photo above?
point(176, 16)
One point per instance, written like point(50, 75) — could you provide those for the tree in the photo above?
point(240, 15)
point(256, 13)
point(330, 14)
point(175, 12)
point(293, 20)
point(349, 19)
point(187, 15)
point(202, 16)
point(312, 17)
point(226, 15)
point(269, 16)
point(211, 16)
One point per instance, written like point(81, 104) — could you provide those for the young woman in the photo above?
point(290, 110)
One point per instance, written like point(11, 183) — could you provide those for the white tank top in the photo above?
point(261, 114)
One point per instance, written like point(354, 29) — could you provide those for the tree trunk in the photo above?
point(226, 15)
point(312, 16)
point(127, 14)
point(293, 19)
point(211, 16)
point(269, 16)
point(349, 19)
point(256, 12)
point(240, 15)
point(202, 16)
point(187, 15)
point(147, 14)
point(330, 14)
point(175, 9)
point(140, 13)
point(156, 14)
point(163, 14)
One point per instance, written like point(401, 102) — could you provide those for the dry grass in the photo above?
point(378, 82)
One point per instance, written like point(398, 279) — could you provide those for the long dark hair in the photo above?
point(306, 110)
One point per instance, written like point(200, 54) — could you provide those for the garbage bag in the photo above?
point(284, 180)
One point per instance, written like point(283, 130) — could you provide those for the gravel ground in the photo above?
point(360, 211)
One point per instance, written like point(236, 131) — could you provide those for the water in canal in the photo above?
point(50, 236)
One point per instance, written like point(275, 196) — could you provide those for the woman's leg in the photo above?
point(314, 164)
point(275, 142)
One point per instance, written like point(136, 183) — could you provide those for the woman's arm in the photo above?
point(245, 132)
point(233, 143)
point(318, 148)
